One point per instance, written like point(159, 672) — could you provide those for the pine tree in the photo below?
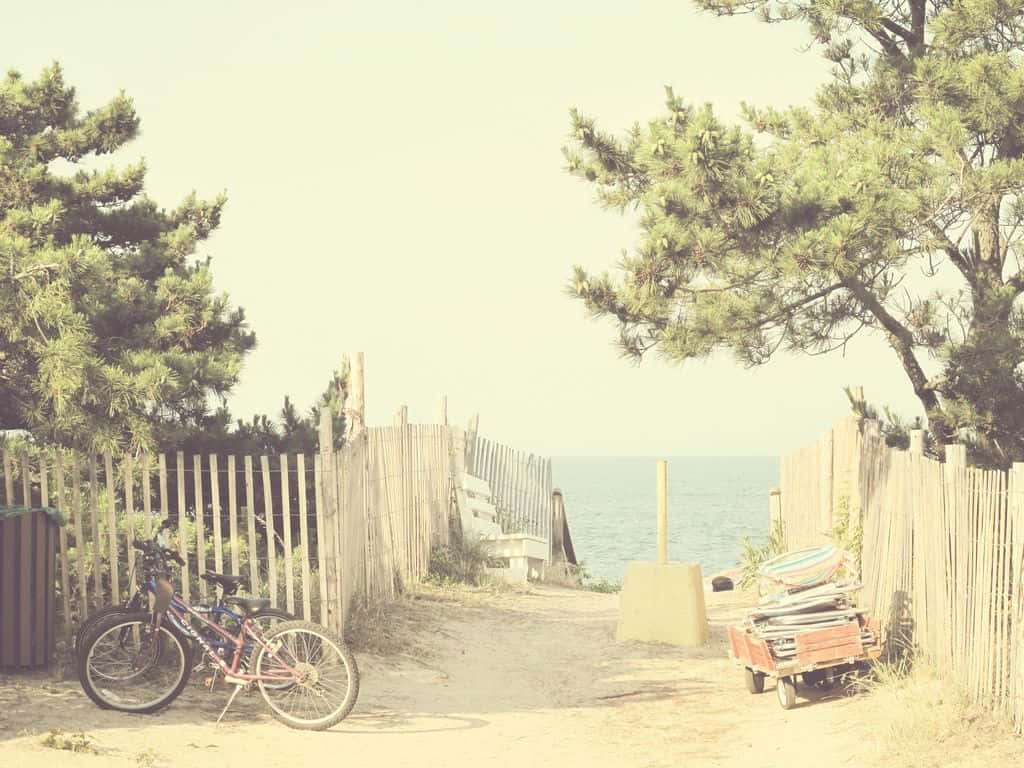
point(109, 323)
point(890, 206)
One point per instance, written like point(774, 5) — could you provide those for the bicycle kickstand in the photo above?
point(238, 687)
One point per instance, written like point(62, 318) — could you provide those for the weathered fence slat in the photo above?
point(114, 564)
point(128, 468)
point(304, 536)
point(76, 503)
point(250, 508)
point(147, 495)
point(268, 526)
point(233, 515)
point(218, 545)
point(199, 508)
point(182, 524)
point(286, 518)
point(318, 485)
point(94, 519)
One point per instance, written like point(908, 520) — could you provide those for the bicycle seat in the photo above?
point(249, 605)
point(229, 584)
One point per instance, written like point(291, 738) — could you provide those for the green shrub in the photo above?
point(589, 583)
point(754, 556)
point(464, 560)
point(603, 585)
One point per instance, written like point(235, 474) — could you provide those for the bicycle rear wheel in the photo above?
point(324, 677)
point(128, 665)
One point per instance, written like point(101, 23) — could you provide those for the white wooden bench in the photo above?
point(478, 513)
point(526, 555)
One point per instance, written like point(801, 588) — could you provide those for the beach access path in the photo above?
point(487, 678)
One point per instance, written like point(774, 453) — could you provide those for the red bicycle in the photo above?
point(140, 662)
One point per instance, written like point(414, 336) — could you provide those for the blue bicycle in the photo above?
point(154, 555)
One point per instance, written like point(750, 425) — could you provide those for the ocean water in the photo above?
point(713, 502)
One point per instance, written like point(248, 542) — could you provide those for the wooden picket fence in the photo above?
point(818, 484)
point(258, 516)
point(520, 483)
point(942, 558)
point(309, 532)
point(107, 503)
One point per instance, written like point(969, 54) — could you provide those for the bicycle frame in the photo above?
point(232, 674)
point(217, 610)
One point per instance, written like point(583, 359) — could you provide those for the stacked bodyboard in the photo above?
point(781, 619)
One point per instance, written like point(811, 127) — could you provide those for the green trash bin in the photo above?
point(28, 559)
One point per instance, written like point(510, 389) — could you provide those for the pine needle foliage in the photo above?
point(110, 326)
point(891, 206)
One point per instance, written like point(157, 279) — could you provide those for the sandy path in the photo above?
point(520, 679)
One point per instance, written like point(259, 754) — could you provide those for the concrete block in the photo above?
point(663, 603)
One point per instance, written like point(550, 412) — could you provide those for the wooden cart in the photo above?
point(819, 655)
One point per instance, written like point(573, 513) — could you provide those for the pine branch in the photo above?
point(33, 270)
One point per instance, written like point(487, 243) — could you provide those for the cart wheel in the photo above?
point(755, 680)
point(786, 691)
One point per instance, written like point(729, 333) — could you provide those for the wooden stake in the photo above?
point(268, 512)
point(200, 508)
point(250, 509)
point(76, 501)
point(182, 529)
point(94, 513)
point(286, 517)
point(304, 536)
point(218, 545)
point(236, 564)
point(355, 407)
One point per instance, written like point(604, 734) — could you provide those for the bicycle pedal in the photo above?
point(213, 682)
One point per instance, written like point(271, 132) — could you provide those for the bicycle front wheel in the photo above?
point(128, 665)
point(90, 622)
point(324, 679)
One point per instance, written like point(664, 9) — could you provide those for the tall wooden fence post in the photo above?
point(327, 536)
point(355, 404)
point(442, 410)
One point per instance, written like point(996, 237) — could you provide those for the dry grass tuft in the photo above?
point(388, 629)
point(69, 742)
point(928, 721)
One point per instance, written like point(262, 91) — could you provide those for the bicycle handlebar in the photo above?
point(151, 547)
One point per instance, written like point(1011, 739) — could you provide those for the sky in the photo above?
point(396, 186)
